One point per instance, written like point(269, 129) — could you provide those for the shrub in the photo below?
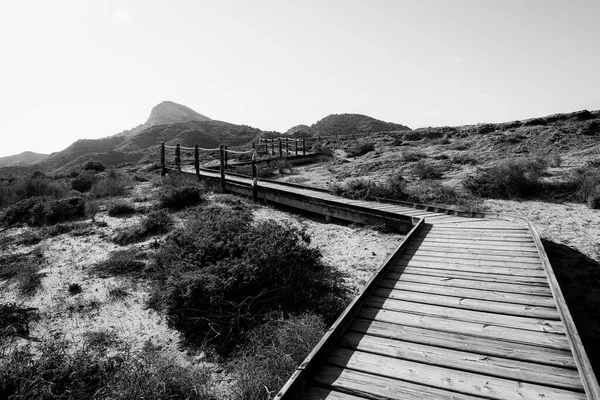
point(321, 148)
point(427, 170)
point(43, 210)
point(361, 148)
point(54, 370)
point(177, 198)
point(83, 183)
point(410, 156)
point(117, 293)
point(284, 167)
point(120, 207)
point(94, 166)
point(121, 262)
point(92, 207)
point(155, 223)
point(111, 186)
point(74, 288)
point(593, 200)
point(36, 185)
point(24, 269)
point(12, 322)
point(222, 275)
point(357, 189)
point(273, 351)
point(509, 179)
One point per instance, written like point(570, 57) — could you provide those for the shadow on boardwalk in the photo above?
point(579, 280)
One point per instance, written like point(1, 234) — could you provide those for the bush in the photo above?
point(92, 207)
point(221, 276)
point(83, 183)
point(518, 178)
point(357, 189)
point(283, 167)
point(111, 186)
point(321, 148)
point(155, 223)
point(121, 262)
point(36, 185)
point(427, 170)
point(23, 269)
point(74, 289)
point(120, 207)
point(410, 156)
point(54, 370)
point(273, 351)
point(37, 211)
point(177, 198)
point(361, 148)
point(94, 166)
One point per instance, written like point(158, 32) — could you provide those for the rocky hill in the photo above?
point(25, 158)
point(346, 124)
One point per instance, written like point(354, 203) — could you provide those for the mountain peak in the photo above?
point(169, 112)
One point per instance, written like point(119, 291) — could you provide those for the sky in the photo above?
point(86, 69)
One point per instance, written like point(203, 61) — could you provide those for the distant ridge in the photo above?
point(345, 124)
point(168, 112)
point(22, 159)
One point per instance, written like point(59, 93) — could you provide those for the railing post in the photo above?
point(197, 160)
point(280, 149)
point(222, 153)
point(287, 146)
point(273, 147)
point(178, 157)
point(254, 178)
point(296, 146)
point(303, 146)
point(163, 170)
point(226, 158)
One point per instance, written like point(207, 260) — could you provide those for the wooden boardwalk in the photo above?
point(466, 308)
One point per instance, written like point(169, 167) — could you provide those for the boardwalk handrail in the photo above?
point(298, 380)
point(586, 373)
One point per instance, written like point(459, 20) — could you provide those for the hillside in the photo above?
point(22, 159)
point(301, 131)
point(345, 124)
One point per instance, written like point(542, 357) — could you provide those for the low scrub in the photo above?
point(83, 183)
point(180, 191)
point(360, 149)
point(221, 275)
point(510, 179)
point(112, 185)
point(363, 189)
point(24, 270)
point(38, 211)
point(322, 148)
point(121, 262)
point(272, 353)
point(411, 156)
point(154, 223)
point(34, 185)
point(120, 208)
point(58, 370)
point(424, 169)
point(96, 166)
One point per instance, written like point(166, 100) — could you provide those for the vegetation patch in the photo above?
point(272, 353)
point(424, 169)
point(121, 262)
point(120, 208)
point(96, 166)
point(112, 185)
point(154, 223)
point(24, 270)
point(179, 192)
point(221, 276)
point(360, 149)
point(53, 371)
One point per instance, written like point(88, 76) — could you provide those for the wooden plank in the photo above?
point(479, 250)
point(516, 232)
point(512, 289)
point(445, 378)
point(586, 372)
point(458, 314)
point(489, 331)
point(533, 272)
point(474, 275)
point(380, 387)
point(508, 227)
point(469, 262)
point(476, 239)
point(468, 242)
point(467, 256)
point(467, 361)
point(414, 284)
point(468, 303)
point(464, 342)
point(319, 393)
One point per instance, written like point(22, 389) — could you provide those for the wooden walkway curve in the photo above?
point(466, 308)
